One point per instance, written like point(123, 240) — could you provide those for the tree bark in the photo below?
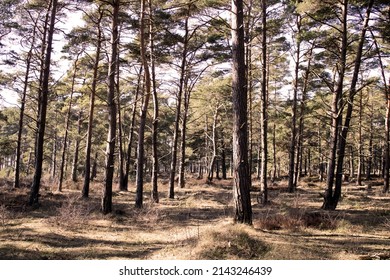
point(155, 163)
point(214, 141)
point(331, 202)
point(386, 150)
point(76, 149)
point(67, 124)
point(131, 132)
point(22, 109)
point(241, 174)
point(142, 124)
point(183, 68)
point(106, 205)
point(293, 141)
point(44, 92)
point(331, 198)
point(88, 147)
point(264, 106)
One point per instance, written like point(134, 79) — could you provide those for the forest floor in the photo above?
point(197, 224)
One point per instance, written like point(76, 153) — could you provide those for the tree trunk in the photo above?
point(142, 124)
point(88, 147)
point(22, 108)
point(121, 153)
point(360, 144)
point(223, 164)
point(187, 95)
point(183, 69)
point(76, 149)
point(214, 141)
point(386, 148)
point(131, 132)
point(155, 164)
point(106, 205)
point(264, 106)
point(293, 141)
point(331, 203)
point(387, 144)
point(67, 124)
point(241, 174)
point(331, 198)
point(94, 167)
point(44, 92)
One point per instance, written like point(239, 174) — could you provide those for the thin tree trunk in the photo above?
point(293, 141)
point(76, 149)
point(155, 164)
point(53, 166)
point(332, 204)
point(34, 194)
point(187, 96)
point(88, 147)
point(264, 106)
point(214, 141)
point(223, 165)
point(351, 163)
point(369, 159)
point(249, 75)
point(386, 150)
point(22, 108)
point(131, 132)
point(67, 124)
point(121, 153)
point(106, 205)
point(360, 144)
point(183, 69)
point(142, 124)
point(94, 167)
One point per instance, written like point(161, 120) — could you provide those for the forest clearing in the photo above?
point(196, 225)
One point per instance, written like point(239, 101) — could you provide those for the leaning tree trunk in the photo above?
point(241, 174)
point(332, 204)
point(34, 194)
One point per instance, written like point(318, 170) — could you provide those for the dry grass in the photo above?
point(4, 215)
point(196, 224)
point(230, 242)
